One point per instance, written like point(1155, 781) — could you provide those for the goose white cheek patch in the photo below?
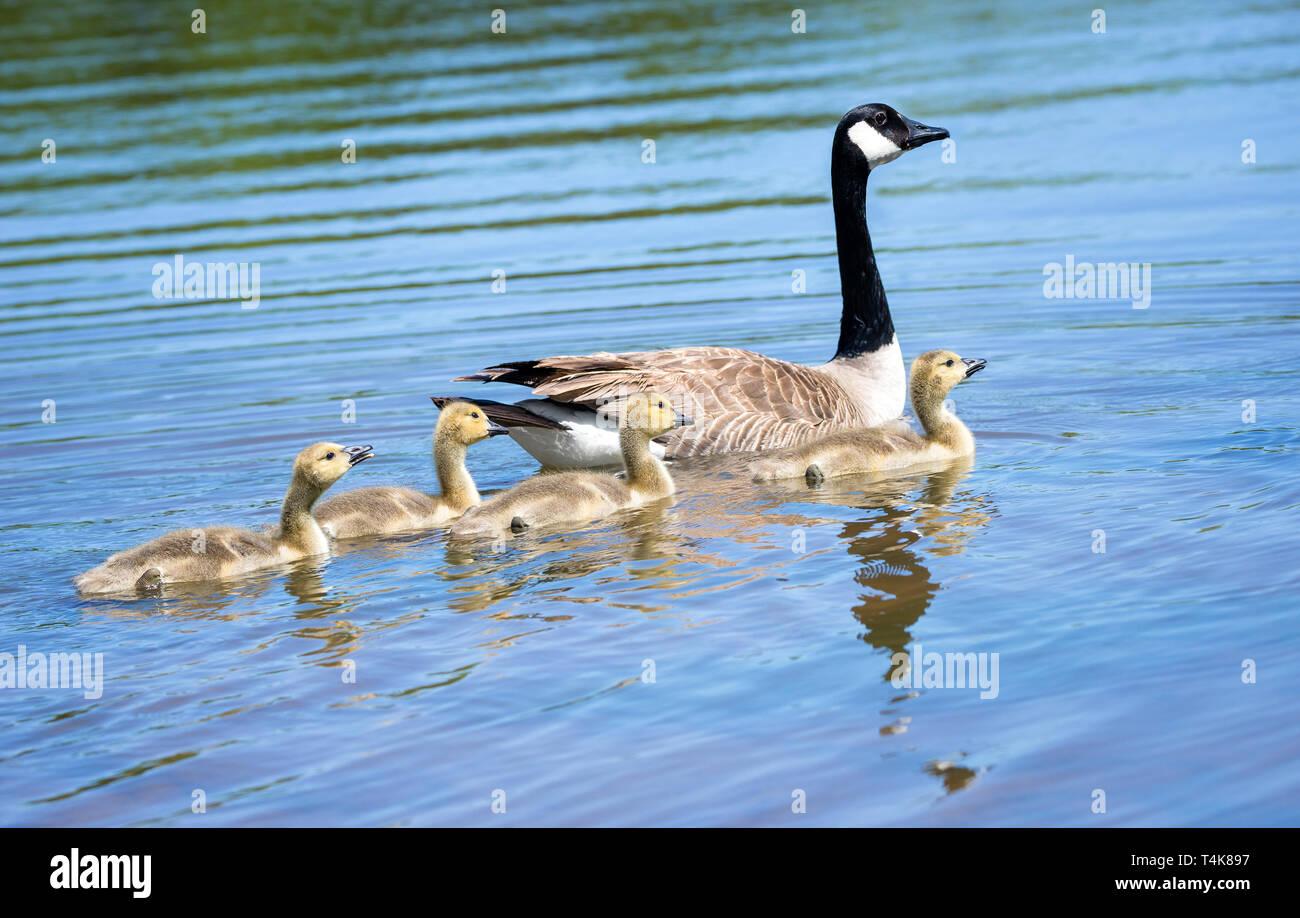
point(875, 146)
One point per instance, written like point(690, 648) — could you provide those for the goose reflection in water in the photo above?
point(899, 524)
point(900, 585)
point(918, 516)
point(320, 609)
point(664, 545)
point(905, 520)
point(315, 599)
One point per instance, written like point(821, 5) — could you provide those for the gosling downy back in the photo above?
point(221, 552)
point(890, 446)
point(558, 497)
point(382, 510)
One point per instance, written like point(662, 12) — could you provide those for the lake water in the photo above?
point(766, 615)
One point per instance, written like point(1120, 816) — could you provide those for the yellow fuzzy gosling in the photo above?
point(876, 449)
point(222, 552)
point(580, 496)
point(376, 511)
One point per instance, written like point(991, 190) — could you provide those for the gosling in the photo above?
point(895, 446)
point(384, 510)
point(567, 497)
point(223, 552)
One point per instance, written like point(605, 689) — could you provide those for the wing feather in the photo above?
point(740, 400)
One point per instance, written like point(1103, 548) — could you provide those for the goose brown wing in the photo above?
point(504, 414)
point(739, 399)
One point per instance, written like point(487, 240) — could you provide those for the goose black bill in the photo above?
point(919, 134)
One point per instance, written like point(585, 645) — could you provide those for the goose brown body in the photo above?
point(747, 401)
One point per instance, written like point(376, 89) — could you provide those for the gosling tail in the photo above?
point(112, 578)
point(476, 526)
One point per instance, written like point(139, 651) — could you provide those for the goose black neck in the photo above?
point(865, 324)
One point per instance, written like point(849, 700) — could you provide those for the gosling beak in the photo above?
point(681, 420)
point(973, 365)
point(358, 454)
point(496, 430)
point(919, 134)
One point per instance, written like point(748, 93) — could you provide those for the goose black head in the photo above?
point(875, 134)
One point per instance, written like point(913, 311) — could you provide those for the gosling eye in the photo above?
point(948, 364)
point(661, 404)
point(329, 456)
point(880, 118)
point(474, 414)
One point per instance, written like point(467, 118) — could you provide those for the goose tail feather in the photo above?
point(504, 414)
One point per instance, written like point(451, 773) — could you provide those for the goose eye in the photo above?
point(661, 404)
point(474, 414)
point(329, 455)
point(948, 364)
point(880, 117)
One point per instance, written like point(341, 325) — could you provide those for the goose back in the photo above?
point(742, 401)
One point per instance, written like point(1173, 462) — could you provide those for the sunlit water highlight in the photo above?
point(769, 614)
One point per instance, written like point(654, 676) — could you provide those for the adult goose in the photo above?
point(746, 401)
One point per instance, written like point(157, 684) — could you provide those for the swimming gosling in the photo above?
point(562, 497)
point(378, 511)
point(222, 552)
point(893, 446)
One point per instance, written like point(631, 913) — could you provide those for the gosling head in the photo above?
point(322, 464)
point(651, 413)
point(466, 424)
point(874, 134)
point(934, 373)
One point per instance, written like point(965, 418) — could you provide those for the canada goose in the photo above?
point(893, 446)
point(578, 496)
point(375, 511)
point(221, 552)
point(752, 402)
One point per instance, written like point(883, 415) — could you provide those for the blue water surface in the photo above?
point(723, 660)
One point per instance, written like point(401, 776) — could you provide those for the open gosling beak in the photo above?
point(973, 365)
point(496, 430)
point(358, 454)
point(681, 420)
point(919, 134)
